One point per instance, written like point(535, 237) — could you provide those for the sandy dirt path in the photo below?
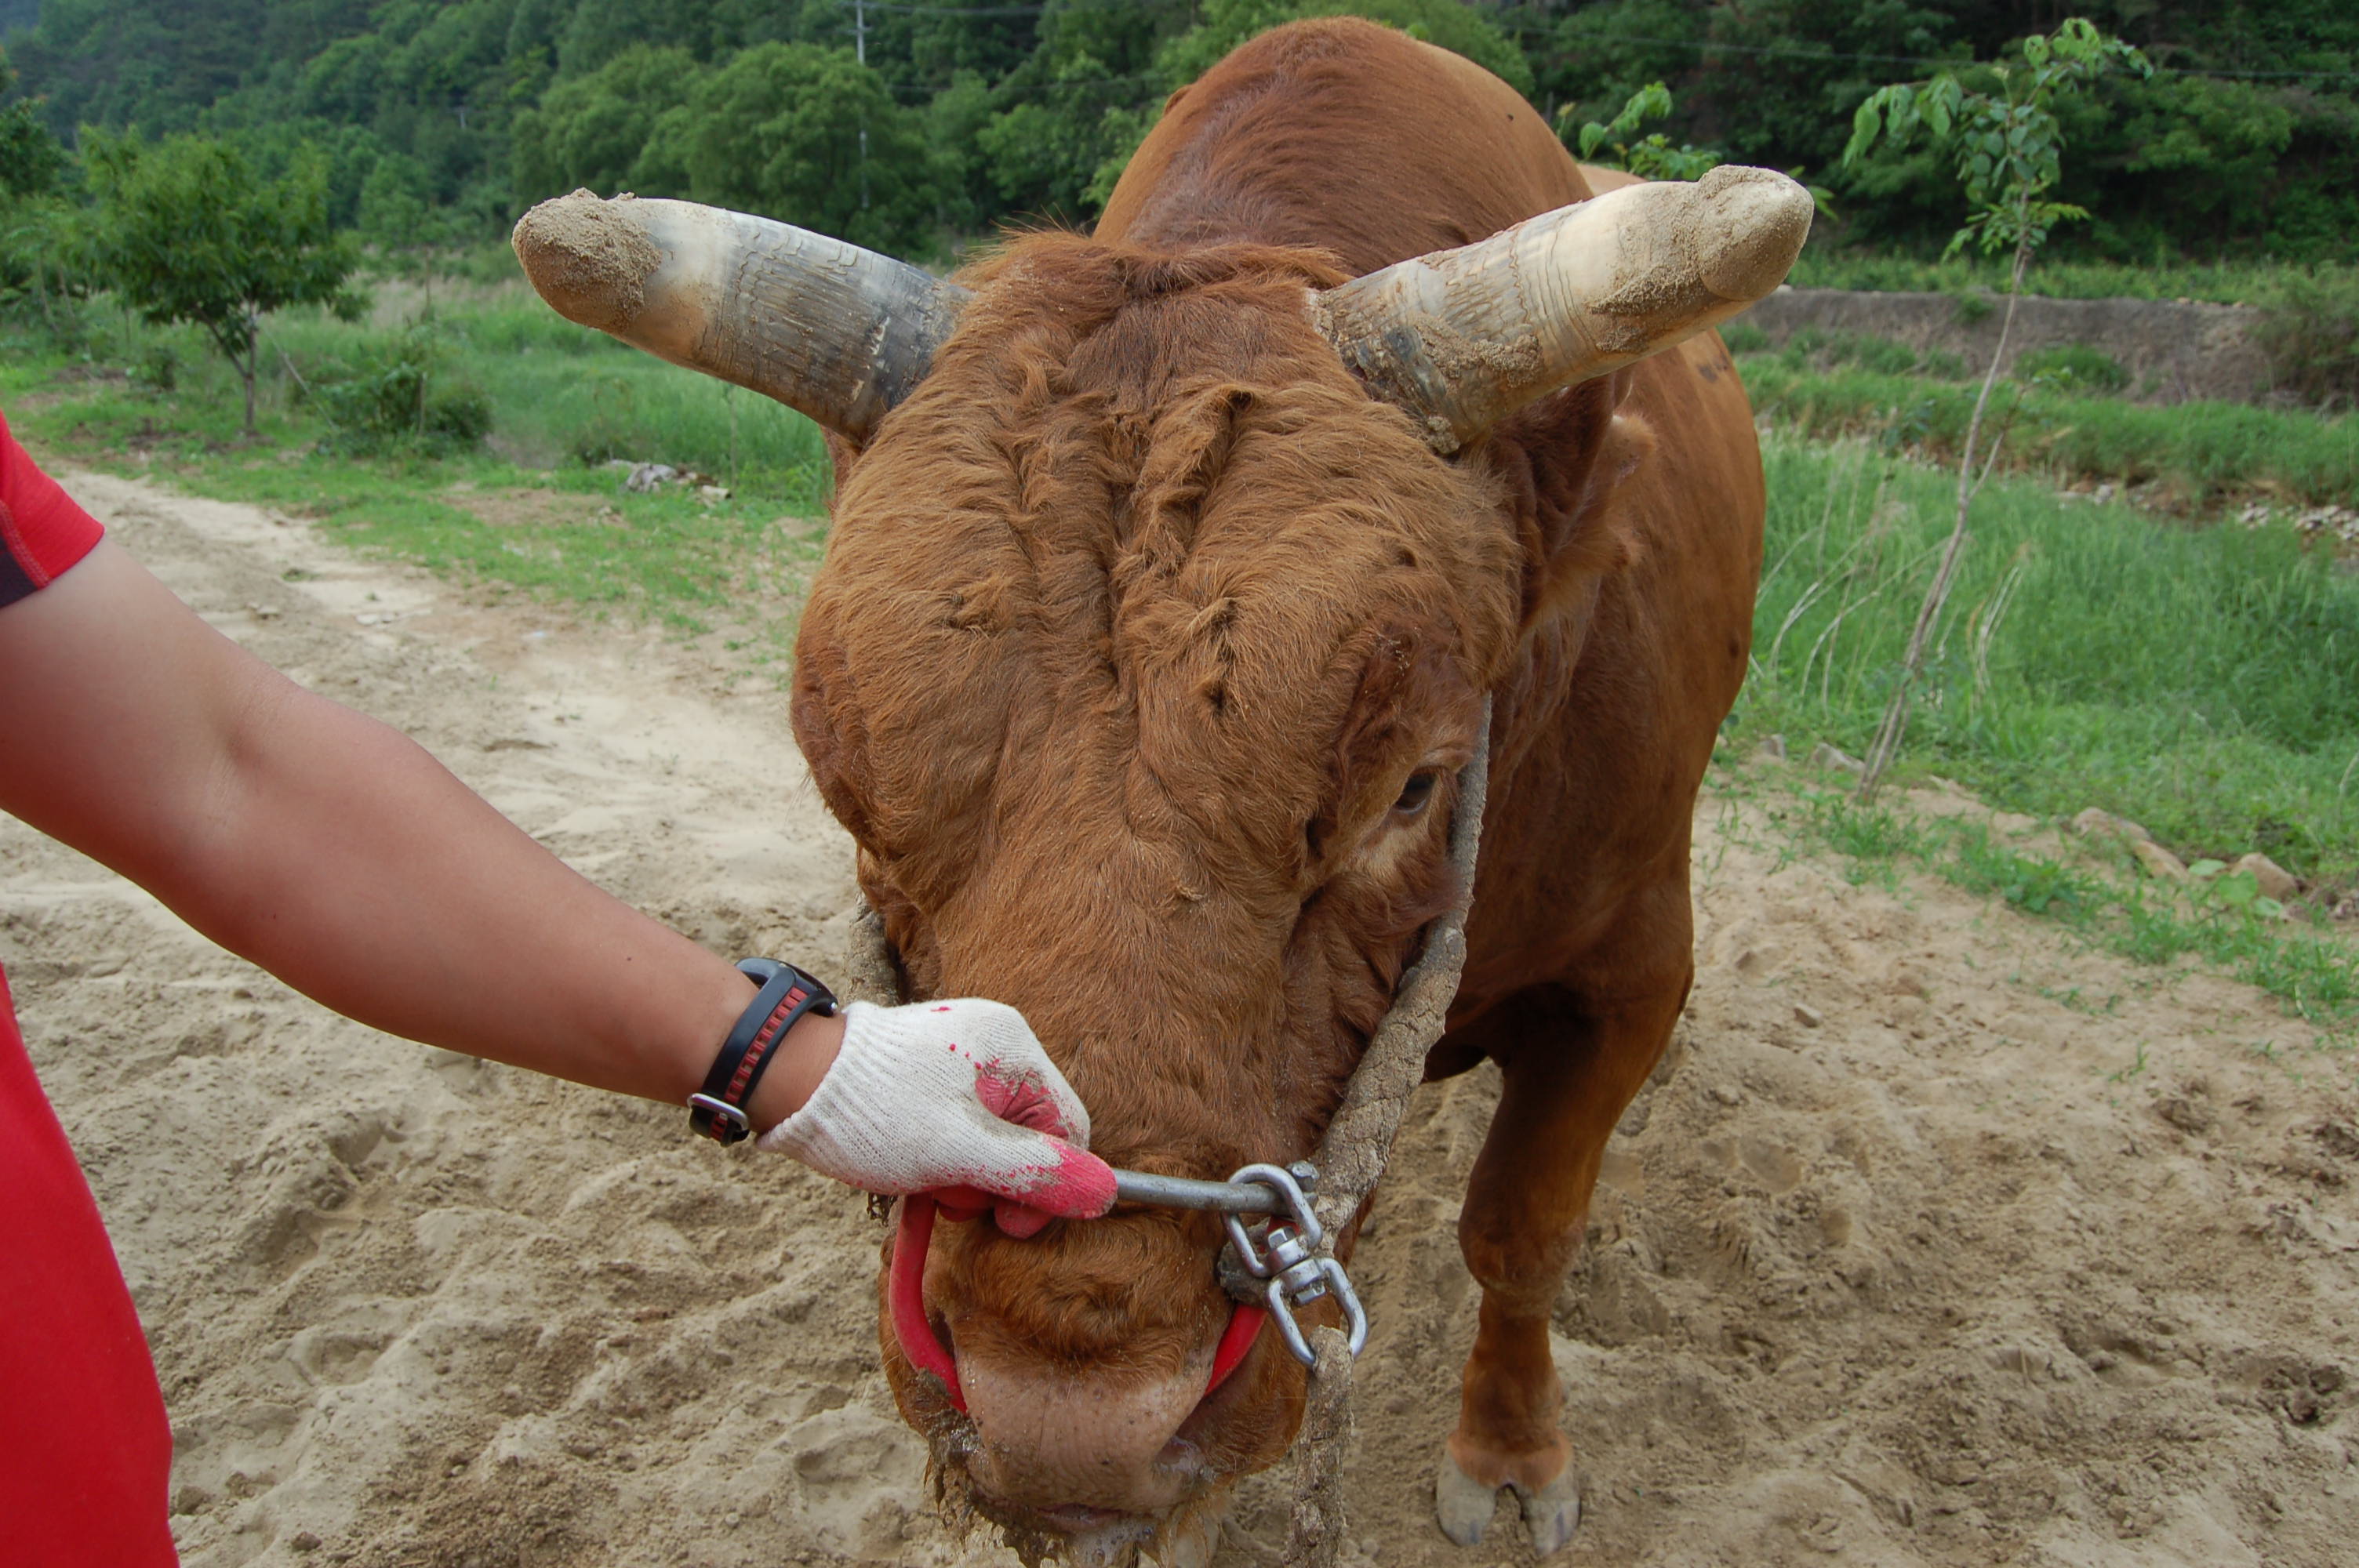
point(1935, 1242)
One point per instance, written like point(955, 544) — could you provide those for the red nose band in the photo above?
point(908, 1292)
point(906, 1298)
point(1236, 1342)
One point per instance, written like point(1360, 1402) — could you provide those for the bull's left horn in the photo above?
point(1461, 339)
point(840, 333)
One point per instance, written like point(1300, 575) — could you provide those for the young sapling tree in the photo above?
point(184, 232)
point(1618, 144)
point(2007, 148)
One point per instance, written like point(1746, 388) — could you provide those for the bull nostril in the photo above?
point(1181, 1457)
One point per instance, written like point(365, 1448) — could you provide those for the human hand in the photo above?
point(950, 1095)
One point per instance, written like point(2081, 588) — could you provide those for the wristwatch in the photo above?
point(785, 994)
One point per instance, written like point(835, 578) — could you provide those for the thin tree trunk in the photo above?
point(1912, 664)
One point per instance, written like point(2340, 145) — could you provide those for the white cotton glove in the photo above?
point(950, 1095)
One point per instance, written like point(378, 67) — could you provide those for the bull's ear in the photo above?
point(840, 333)
point(1461, 339)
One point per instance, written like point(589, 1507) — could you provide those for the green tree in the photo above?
point(1460, 28)
point(2007, 149)
point(955, 119)
point(1648, 157)
point(32, 160)
point(184, 232)
point(802, 134)
point(1077, 104)
point(33, 167)
point(1063, 139)
point(590, 131)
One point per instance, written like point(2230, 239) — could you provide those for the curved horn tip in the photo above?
point(589, 257)
point(1748, 229)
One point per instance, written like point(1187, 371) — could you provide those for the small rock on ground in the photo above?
point(2096, 824)
point(2273, 880)
point(2158, 861)
point(1826, 757)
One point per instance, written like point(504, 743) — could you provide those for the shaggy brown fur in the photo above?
point(1140, 615)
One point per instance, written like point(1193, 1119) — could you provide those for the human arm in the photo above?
point(337, 854)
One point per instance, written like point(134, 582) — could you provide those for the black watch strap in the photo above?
point(785, 994)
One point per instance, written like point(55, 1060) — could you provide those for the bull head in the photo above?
point(1147, 649)
point(1460, 338)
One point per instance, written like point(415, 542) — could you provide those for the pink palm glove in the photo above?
point(951, 1095)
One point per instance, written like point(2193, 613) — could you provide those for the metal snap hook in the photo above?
point(1288, 1250)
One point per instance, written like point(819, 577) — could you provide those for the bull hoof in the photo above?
point(1552, 1513)
point(1461, 1505)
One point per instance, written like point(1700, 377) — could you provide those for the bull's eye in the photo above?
point(1418, 792)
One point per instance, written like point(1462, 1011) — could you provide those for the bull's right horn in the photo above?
point(840, 333)
point(1461, 339)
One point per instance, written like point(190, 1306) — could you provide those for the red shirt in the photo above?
point(42, 532)
point(85, 1450)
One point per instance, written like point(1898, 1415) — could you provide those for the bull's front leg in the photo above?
point(1570, 1065)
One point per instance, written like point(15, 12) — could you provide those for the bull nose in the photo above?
point(1056, 1440)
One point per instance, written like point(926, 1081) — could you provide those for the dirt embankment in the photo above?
point(2174, 353)
point(1936, 1241)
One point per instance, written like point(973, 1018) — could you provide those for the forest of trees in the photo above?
point(898, 122)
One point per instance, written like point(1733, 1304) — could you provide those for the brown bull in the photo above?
point(1170, 572)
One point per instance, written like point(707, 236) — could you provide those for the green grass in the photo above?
point(2198, 455)
point(2309, 329)
point(2226, 283)
point(2313, 973)
point(532, 511)
point(2205, 683)
point(2202, 682)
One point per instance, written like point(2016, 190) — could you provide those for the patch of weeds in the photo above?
point(2031, 884)
point(1743, 337)
point(2072, 1000)
point(2221, 919)
point(2072, 367)
point(2199, 682)
point(400, 394)
point(1872, 839)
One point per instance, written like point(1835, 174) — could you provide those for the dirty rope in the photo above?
point(1351, 1157)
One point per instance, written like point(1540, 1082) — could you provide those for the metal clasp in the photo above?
point(1288, 1250)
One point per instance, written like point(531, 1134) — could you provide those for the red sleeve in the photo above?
point(42, 531)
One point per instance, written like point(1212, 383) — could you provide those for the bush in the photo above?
point(158, 369)
point(2310, 333)
point(394, 395)
point(1824, 350)
point(2072, 367)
